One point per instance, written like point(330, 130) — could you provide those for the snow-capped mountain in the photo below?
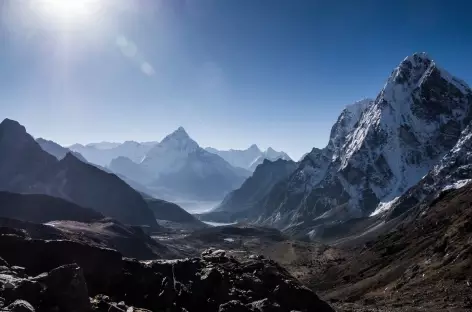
point(26, 168)
point(57, 150)
point(179, 167)
point(171, 154)
point(238, 158)
point(269, 154)
point(377, 149)
point(103, 153)
point(249, 158)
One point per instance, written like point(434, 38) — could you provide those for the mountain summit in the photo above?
point(377, 149)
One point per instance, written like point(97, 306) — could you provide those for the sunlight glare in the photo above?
point(66, 12)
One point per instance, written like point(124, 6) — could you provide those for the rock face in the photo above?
point(26, 168)
point(43, 208)
point(453, 171)
point(213, 282)
point(62, 289)
point(377, 149)
point(245, 202)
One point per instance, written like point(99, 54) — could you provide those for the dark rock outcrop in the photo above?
point(213, 282)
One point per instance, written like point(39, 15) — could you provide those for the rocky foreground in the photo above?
point(62, 275)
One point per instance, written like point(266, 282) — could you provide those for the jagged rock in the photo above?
point(67, 289)
point(214, 282)
point(233, 306)
point(20, 306)
point(99, 265)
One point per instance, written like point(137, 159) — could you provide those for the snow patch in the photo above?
point(457, 185)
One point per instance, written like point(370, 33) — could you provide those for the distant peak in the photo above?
point(180, 136)
point(270, 150)
point(254, 147)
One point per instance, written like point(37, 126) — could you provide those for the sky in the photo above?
point(231, 72)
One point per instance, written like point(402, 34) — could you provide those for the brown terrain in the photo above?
point(423, 264)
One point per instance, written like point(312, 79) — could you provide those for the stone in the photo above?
point(20, 306)
point(67, 289)
point(233, 306)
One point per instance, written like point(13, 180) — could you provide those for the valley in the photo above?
point(380, 219)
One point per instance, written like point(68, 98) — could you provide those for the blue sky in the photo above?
point(233, 73)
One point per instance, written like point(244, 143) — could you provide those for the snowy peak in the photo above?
point(412, 68)
point(171, 154)
point(380, 148)
point(180, 134)
point(254, 148)
point(346, 122)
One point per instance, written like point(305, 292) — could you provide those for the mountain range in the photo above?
point(383, 155)
point(249, 158)
point(26, 168)
point(176, 168)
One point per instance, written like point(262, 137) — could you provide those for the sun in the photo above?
point(67, 11)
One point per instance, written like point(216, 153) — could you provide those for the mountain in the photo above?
point(171, 154)
point(377, 149)
point(203, 176)
point(57, 150)
point(238, 158)
point(178, 165)
point(103, 153)
point(42, 208)
point(26, 168)
point(128, 168)
point(453, 171)
point(269, 154)
point(246, 200)
point(250, 158)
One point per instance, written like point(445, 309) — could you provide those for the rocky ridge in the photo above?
point(377, 149)
point(39, 275)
